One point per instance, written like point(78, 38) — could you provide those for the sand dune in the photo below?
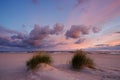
point(12, 67)
point(48, 72)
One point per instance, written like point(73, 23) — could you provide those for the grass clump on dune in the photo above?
point(80, 60)
point(37, 59)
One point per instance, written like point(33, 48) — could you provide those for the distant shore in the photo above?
point(89, 52)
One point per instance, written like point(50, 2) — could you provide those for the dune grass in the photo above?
point(38, 58)
point(80, 60)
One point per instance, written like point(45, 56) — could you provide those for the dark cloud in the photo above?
point(7, 43)
point(118, 32)
point(10, 37)
point(37, 38)
point(102, 45)
point(80, 41)
point(18, 36)
point(38, 35)
point(58, 28)
point(5, 30)
point(41, 36)
point(96, 29)
point(42, 32)
point(74, 32)
point(61, 43)
point(4, 41)
point(77, 31)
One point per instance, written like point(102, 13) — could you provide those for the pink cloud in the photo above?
point(98, 12)
point(77, 31)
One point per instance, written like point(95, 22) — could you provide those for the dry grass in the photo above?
point(40, 57)
point(80, 60)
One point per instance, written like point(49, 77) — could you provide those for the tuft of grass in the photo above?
point(80, 60)
point(37, 59)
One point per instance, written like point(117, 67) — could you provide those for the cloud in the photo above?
point(58, 28)
point(77, 31)
point(9, 37)
point(102, 45)
point(53, 45)
point(42, 32)
point(81, 40)
point(18, 36)
point(7, 43)
point(74, 32)
point(37, 38)
point(5, 30)
point(98, 12)
point(118, 32)
point(96, 29)
point(4, 42)
point(38, 34)
point(106, 47)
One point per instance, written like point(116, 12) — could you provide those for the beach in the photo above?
point(13, 67)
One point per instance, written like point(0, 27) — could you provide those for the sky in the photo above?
point(59, 24)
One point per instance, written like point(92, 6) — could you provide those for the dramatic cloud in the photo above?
point(58, 28)
point(38, 37)
point(74, 32)
point(77, 31)
point(38, 34)
point(87, 23)
point(7, 43)
point(9, 37)
point(42, 32)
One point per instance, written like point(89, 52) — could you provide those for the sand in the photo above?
point(12, 67)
